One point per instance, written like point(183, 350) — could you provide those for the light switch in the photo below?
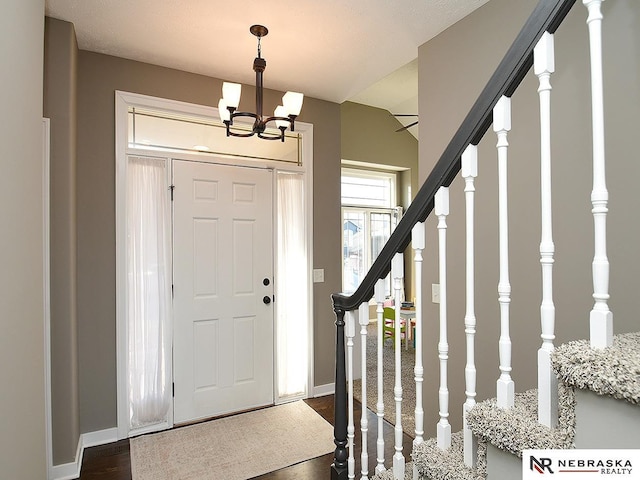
point(435, 293)
point(318, 275)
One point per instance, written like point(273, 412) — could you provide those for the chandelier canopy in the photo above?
point(284, 115)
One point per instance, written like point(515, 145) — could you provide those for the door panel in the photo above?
point(223, 331)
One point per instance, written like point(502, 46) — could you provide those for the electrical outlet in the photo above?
point(435, 293)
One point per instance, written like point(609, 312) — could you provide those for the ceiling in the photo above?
point(336, 50)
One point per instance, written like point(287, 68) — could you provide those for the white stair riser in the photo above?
point(502, 465)
point(604, 422)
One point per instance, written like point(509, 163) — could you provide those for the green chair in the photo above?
point(389, 330)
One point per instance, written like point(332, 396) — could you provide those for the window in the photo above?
point(162, 129)
point(364, 188)
point(369, 216)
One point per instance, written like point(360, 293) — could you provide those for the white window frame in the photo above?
point(391, 176)
point(391, 209)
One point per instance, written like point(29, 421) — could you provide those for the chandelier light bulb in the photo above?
point(292, 102)
point(231, 94)
point(281, 112)
point(225, 116)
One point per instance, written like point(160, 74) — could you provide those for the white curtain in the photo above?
point(292, 279)
point(149, 287)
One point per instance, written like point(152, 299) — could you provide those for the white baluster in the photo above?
point(350, 332)
point(601, 318)
point(543, 67)
point(469, 173)
point(418, 241)
point(442, 210)
point(363, 314)
point(397, 270)
point(379, 291)
point(502, 125)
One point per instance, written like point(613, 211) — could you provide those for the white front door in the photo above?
point(223, 287)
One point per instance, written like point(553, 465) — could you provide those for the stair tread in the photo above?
point(613, 371)
point(436, 464)
point(388, 474)
point(517, 429)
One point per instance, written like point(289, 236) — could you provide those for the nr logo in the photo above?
point(540, 465)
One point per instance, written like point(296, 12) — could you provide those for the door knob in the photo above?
point(266, 299)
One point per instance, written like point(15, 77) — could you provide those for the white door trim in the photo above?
point(46, 220)
point(124, 100)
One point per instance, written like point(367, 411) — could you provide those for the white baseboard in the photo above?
point(70, 471)
point(101, 437)
point(322, 390)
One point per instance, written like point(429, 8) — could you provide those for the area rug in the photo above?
point(233, 448)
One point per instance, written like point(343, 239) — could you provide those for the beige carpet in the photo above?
point(233, 448)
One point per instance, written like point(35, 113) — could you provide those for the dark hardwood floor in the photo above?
point(111, 462)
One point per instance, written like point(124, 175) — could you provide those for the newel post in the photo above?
point(339, 466)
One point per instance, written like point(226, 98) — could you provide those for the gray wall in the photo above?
point(60, 70)
point(453, 69)
point(79, 98)
point(22, 443)
point(369, 135)
point(98, 77)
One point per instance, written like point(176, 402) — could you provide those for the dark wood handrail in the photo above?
point(546, 17)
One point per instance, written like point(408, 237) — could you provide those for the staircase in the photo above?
point(588, 391)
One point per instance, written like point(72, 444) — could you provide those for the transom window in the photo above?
point(365, 188)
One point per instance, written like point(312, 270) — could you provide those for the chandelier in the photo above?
point(284, 115)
